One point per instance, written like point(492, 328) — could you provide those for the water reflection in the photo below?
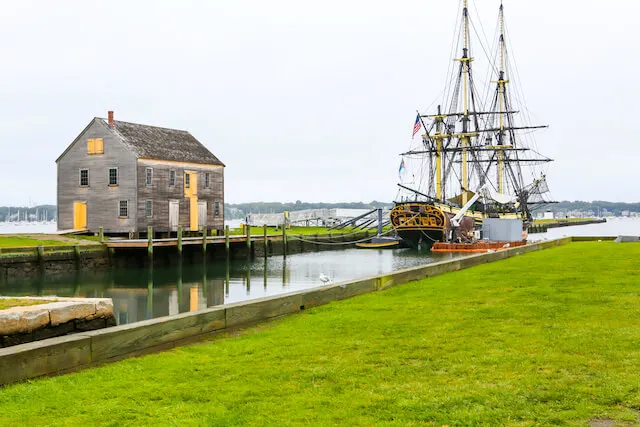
point(140, 294)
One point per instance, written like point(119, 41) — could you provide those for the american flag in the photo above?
point(416, 126)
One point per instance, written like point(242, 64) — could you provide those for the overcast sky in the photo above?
point(309, 101)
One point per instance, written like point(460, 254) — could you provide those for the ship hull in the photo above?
point(421, 239)
point(421, 224)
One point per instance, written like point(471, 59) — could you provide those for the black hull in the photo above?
point(420, 239)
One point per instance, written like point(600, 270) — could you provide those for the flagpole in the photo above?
point(423, 125)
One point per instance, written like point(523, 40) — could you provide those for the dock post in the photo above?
point(266, 240)
point(76, 254)
point(204, 240)
point(101, 234)
point(226, 240)
point(150, 241)
point(248, 228)
point(40, 252)
point(284, 238)
point(180, 240)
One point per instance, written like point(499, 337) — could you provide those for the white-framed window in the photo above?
point(148, 209)
point(206, 180)
point(172, 177)
point(148, 176)
point(123, 209)
point(113, 177)
point(84, 177)
point(216, 209)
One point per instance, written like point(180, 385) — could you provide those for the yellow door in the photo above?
point(193, 213)
point(191, 192)
point(79, 215)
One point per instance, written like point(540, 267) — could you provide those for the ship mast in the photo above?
point(501, 95)
point(439, 136)
point(464, 140)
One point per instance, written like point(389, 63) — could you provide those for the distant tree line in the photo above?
point(240, 210)
point(596, 206)
point(24, 213)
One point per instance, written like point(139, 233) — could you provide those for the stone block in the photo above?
point(104, 307)
point(62, 312)
point(17, 320)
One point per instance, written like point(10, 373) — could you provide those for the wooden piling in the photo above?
point(76, 256)
point(284, 238)
point(226, 241)
point(40, 251)
point(180, 240)
point(101, 234)
point(150, 241)
point(248, 228)
point(204, 240)
point(266, 240)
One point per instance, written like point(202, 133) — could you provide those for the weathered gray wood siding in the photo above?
point(160, 193)
point(102, 200)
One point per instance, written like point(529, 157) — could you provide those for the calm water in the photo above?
point(613, 227)
point(143, 294)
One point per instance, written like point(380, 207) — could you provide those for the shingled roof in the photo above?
point(151, 142)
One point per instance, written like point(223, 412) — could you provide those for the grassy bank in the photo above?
point(546, 338)
point(298, 230)
point(561, 220)
point(28, 240)
point(20, 302)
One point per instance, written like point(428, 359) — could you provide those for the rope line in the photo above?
point(337, 243)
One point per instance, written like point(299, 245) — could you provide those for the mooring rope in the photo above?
point(299, 237)
point(351, 242)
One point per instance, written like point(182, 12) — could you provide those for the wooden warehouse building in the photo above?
point(127, 176)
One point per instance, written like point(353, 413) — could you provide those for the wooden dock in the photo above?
point(220, 240)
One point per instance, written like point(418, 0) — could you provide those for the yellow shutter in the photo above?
point(99, 146)
point(194, 183)
point(91, 146)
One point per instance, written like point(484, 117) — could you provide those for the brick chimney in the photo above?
point(111, 118)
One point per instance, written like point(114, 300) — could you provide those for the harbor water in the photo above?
point(140, 294)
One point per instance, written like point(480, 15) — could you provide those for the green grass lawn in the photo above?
point(18, 302)
point(553, 221)
point(547, 338)
point(20, 241)
point(17, 240)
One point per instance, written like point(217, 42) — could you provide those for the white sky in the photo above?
point(309, 101)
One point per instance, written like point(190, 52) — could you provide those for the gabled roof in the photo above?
point(152, 142)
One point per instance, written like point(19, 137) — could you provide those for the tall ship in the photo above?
point(477, 156)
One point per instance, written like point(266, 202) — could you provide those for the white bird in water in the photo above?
point(324, 278)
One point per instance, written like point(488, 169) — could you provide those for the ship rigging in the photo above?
point(468, 146)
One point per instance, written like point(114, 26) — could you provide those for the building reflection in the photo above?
point(184, 293)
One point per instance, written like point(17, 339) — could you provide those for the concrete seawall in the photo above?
point(59, 355)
